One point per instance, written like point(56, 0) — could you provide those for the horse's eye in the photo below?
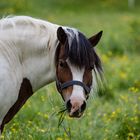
point(62, 63)
point(91, 67)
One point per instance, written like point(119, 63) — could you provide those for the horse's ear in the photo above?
point(95, 39)
point(61, 35)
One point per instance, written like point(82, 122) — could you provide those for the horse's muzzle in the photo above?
point(75, 109)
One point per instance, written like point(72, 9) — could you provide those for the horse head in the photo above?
point(75, 60)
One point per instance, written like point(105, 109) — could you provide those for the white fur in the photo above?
point(77, 74)
point(27, 50)
point(32, 46)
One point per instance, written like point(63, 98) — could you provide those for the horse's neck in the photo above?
point(36, 44)
point(39, 62)
point(38, 58)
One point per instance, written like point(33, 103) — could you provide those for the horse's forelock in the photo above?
point(81, 52)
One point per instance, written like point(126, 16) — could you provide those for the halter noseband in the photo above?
point(61, 86)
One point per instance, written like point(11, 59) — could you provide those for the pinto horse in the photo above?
point(34, 53)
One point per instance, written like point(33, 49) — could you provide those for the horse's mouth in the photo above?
point(75, 114)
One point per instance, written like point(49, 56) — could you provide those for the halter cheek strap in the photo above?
point(61, 86)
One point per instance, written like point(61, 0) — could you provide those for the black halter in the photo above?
point(61, 86)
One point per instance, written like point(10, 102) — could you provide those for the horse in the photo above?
point(34, 53)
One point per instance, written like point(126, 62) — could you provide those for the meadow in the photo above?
point(113, 114)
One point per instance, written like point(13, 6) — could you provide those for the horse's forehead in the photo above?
point(77, 73)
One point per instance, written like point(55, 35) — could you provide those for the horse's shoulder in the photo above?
point(24, 93)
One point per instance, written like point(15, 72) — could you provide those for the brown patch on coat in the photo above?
point(63, 71)
point(24, 93)
point(87, 77)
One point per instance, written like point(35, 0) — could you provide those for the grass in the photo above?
point(114, 115)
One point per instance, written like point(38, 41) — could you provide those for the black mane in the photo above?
point(81, 53)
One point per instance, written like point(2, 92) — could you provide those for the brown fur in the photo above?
point(63, 72)
point(24, 93)
point(87, 77)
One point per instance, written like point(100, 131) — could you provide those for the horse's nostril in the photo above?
point(69, 106)
point(83, 106)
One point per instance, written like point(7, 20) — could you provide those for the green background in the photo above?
point(111, 115)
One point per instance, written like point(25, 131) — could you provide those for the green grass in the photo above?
point(114, 115)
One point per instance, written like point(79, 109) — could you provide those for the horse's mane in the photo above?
point(22, 21)
point(27, 29)
point(80, 51)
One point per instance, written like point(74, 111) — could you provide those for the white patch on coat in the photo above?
point(32, 42)
point(77, 74)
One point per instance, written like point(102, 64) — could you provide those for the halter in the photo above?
point(61, 86)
